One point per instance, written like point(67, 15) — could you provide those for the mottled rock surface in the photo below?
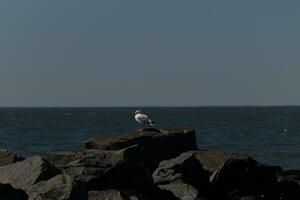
point(243, 176)
point(158, 145)
point(24, 174)
point(184, 176)
point(7, 157)
point(60, 187)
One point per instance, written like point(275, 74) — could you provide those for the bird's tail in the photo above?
point(150, 122)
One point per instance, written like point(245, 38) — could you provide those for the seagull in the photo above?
point(142, 118)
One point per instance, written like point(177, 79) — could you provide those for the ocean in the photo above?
point(270, 135)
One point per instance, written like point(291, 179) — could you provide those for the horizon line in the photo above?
point(152, 106)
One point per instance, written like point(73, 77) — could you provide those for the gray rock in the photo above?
point(183, 176)
point(245, 177)
point(153, 142)
point(24, 174)
point(182, 190)
point(7, 157)
point(60, 187)
point(125, 175)
point(105, 159)
point(211, 160)
point(106, 195)
point(90, 164)
point(129, 176)
point(7, 192)
point(117, 195)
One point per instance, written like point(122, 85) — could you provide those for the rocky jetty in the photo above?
point(149, 164)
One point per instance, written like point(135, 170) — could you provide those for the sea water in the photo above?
point(271, 135)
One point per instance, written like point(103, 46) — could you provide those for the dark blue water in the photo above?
point(269, 134)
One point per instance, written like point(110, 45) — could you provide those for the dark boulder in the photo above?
point(113, 194)
point(7, 192)
point(117, 195)
point(7, 157)
point(24, 174)
point(211, 160)
point(131, 177)
point(98, 170)
point(90, 164)
point(184, 176)
point(62, 159)
point(60, 187)
point(244, 176)
point(158, 145)
point(107, 195)
point(289, 184)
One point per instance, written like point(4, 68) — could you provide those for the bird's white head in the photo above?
point(137, 112)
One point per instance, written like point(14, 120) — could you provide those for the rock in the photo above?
point(107, 195)
point(129, 176)
point(60, 187)
point(7, 192)
point(105, 170)
point(211, 160)
point(24, 174)
point(153, 142)
point(184, 176)
point(289, 184)
point(182, 190)
point(105, 159)
point(245, 177)
point(120, 195)
point(8, 157)
point(124, 175)
point(90, 164)
point(288, 175)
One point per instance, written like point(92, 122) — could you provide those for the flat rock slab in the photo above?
point(158, 145)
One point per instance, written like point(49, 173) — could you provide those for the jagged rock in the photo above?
point(116, 195)
point(184, 176)
point(250, 198)
point(289, 184)
point(60, 187)
point(154, 143)
point(7, 192)
point(211, 160)
point(105, 170)
point(106, 195)
point(124, 175)
point(62, 159)
point(7, 157)
point(129, 176)
point(90, 164)
point(24, 174)
point(244, 177)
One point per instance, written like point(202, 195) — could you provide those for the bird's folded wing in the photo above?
point(142, 117)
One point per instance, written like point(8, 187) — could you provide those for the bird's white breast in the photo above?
point(140, 117)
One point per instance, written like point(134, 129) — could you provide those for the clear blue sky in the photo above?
point(159, 53)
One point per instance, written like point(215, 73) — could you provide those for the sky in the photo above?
point(149, 53)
